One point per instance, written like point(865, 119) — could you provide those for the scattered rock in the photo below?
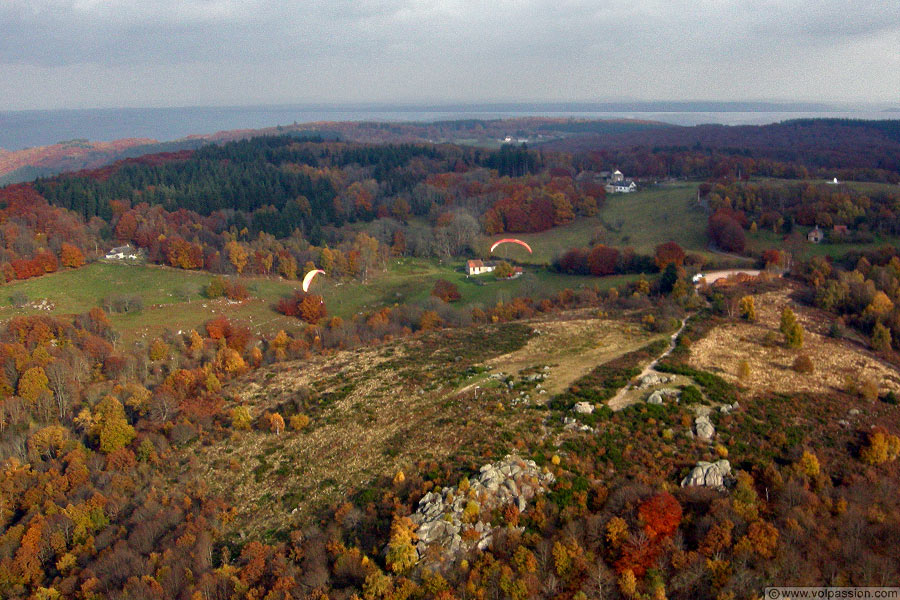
point(584, 408)
point(648, 380)
point(573, 425)
point(727, 408)
point(706, 474)
point(651, 379)
point(853, 412)
point(659, 396)
point(44, 304)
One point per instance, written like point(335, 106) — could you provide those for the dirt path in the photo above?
point(620, 400)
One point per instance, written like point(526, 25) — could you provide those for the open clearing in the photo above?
point(546, 245)
point(723, 348)
point(172, 298)
point(640, 220)
point(410, 280)
point(572, 347)
point(384, 409)
point(373, 424)
point(652, 216)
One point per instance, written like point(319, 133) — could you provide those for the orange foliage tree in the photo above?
point(71, 256)
point(445, 290)
point(237, 255)
point(312, 309)
point(669, 253)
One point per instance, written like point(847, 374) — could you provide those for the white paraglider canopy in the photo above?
point(309, 277)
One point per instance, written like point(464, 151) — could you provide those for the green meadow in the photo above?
point(172, 298)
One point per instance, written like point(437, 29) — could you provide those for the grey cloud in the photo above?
point(513, 48)
point(54, 32)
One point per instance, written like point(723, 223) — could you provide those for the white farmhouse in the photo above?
point(477, 267)
point(621, 187)
point(618, 184)
point(126, 252)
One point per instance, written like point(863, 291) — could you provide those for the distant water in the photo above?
point(25, 129)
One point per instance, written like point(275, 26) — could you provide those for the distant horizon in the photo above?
point(650, 106)
point(37, 128)
point(83, 54)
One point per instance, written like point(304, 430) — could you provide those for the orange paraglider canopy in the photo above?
point(309, 277)
point(512, 241)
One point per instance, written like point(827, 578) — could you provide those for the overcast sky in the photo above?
point(109, 53)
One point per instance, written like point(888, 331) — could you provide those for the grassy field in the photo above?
point(172, 298)
point(864, 187)
point(656, 215)
point(546, 245)
point(641, 220)
point(726, 346)
point(801, 249)
point(409, 280)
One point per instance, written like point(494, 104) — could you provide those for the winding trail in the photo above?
point(619, 401)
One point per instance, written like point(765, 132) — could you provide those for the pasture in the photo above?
point(172, 298)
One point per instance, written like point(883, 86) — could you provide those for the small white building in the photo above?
point(478, 266)
point(126, 252)
point(815, 236)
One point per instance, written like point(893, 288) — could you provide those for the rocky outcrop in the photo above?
point(706, 474)
point(448, 520)
point(704, 428)
point(584, 408)
point(651, 379)
point(660, 395)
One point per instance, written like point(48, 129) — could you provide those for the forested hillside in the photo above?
point(849, 149)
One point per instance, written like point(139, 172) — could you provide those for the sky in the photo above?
point(113, 53)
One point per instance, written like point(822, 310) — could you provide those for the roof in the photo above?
point(628, 183)
point(123, 249)
point(474, 263)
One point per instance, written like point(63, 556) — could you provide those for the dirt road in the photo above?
point(620, 400)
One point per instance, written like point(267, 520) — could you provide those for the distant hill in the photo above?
point(74, 155)
point(815, 142)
